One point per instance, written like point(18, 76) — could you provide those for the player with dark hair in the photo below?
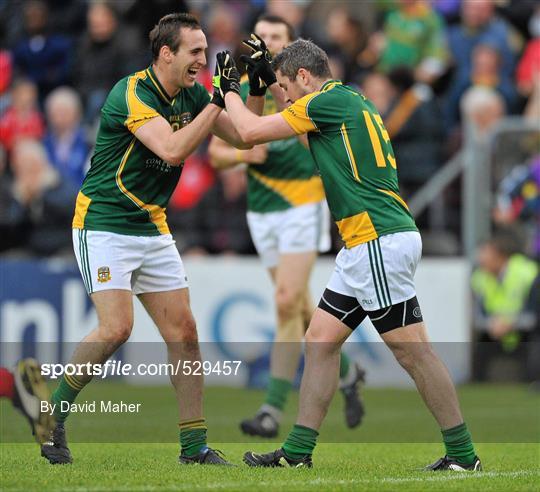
point(26, 389)
point(374, 273)
point(289, 223)
point(151, 121)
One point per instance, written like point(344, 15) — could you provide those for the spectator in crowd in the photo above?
point(483, 108)
point(145, 14)
point(6, 70)
point(413, 122)
point(9, 235)
point(42, 56)
point(502, 287)
point(486, 72)
point(106, 53)
point(480, 25)
point(41, 203)
point(413, 35)
point(347, 36)
point(518, 200)
point(223, 30)
point(377, 88)
point(68, 17)
point(217, 225)
point(517, 12)
point(22, 118)
point(448, 9)
point(528, 70)
point(294, 12)
point(65, 140)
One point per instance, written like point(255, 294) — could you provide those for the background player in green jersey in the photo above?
point(374, 271)
point(151, 121)
point(289, 224)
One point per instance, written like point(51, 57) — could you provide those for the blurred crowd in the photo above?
point(429, 67)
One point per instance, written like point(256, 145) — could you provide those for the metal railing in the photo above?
point(474, 162)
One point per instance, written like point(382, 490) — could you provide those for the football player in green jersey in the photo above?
point(289, 224)
point(151, 121)
point(374, 274)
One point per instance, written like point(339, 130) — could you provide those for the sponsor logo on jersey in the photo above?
point(180, 120)
point(158, 165)
point(103, 274)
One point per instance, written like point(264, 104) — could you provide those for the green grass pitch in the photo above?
point(139, 452)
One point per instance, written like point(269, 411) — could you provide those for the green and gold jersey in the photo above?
point(352, 150)
point(288, 178)
point(128, 187)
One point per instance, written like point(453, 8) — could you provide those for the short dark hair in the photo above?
point(302, 54)
point(276, 19)
point(167, 32)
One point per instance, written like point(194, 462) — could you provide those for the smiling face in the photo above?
point(189, 58)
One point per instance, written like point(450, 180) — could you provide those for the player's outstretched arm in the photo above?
point(255, 129)
point(252, 129)
point(175, 146)
point(223, 127)
point(224, 156)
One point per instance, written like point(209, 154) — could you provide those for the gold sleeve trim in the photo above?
point(297, 116)
point(139, 113)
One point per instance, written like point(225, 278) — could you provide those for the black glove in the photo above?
point(262, 58)
point(217, 99)
point(226, 77)
point(256, 86)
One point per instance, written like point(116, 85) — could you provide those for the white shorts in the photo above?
point(137, 263)
point(379, 273)
point(295, 230)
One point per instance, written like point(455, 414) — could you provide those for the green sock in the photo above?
point(458, 443)
point(192, 436)
point(277, 392)
point(67, 390)
point(300, 442)
point(344, 364)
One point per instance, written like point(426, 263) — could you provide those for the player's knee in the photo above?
point(288, 302)
point(404, 358)
point(184, 330)
point(117, 332)
point(318, 339)
point(412, 354)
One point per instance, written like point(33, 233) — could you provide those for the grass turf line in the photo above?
point(153, 467)
point(505, 412)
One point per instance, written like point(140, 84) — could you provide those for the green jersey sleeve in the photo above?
point(141, 103)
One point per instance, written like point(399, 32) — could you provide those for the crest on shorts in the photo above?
point(103, 274)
